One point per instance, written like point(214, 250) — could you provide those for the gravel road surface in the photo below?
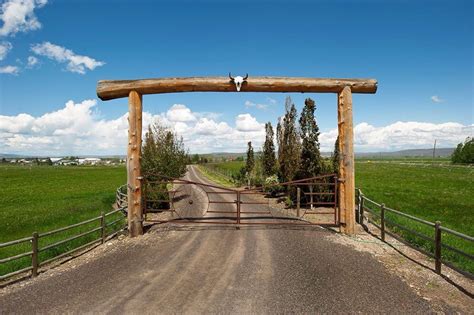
point(218, 269)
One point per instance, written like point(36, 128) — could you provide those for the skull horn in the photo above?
point(246, 76)
point(230, 76)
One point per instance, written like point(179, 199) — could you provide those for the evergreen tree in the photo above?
point(336, 156)
point(311, 163)
point(268, 158)
point(250, 163)
point(279, 136)
point(289, 143)
point(464, 152)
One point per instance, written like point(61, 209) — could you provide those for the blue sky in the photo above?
point(421, 52)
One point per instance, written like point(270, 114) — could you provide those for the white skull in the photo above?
point(238, 81)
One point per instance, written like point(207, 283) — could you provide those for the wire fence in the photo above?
point(29, 254)
point(444, 245)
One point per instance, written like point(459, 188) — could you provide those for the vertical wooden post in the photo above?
point(238, 207)
point(103, 227)
point(437, 247)
point(346, 162)
point(135, 216)
point(34, 255)
point(298, 201)
point(361, 208)
point(382, 222)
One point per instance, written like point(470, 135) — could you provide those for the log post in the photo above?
point(346, 162)
point(134, 190)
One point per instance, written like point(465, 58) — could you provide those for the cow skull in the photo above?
point(238, 80)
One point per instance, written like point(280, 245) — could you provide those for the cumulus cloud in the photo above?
point(18, 16)
point(401, 135)
point(179, 112)
point(78, 129)
point(436, 99)
point(75, 63)
point(246, 122)
point(9, 70)
point(5, 48)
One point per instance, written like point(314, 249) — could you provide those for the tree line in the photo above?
point(298, 155)
point(464, 152)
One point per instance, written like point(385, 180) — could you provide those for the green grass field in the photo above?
point(44, 198)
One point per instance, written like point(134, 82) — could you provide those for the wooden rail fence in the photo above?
point(36, 263)
point(375, 213)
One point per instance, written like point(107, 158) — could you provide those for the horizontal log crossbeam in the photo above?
point(107, 90)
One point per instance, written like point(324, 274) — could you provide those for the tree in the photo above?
point(289, 143)
point(195, 159)
point(311, 164)
point(250, 163)
point(336, 156)
point(464, 152)
point(163, 153)
point(268, 157)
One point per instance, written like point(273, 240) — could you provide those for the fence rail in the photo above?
point(366, 213)
point(36, 249)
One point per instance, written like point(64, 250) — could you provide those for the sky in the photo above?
point(53, 52)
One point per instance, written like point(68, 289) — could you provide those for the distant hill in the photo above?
point(441, 152)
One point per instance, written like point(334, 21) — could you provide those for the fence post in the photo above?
point(298, 201)
point(361, 208)
point(382, 221)
point(103, 227)
point(357, 198)
point(238, 207)
point(34, 255)
point(438, 247)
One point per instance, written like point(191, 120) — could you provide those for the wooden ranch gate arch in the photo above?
point(134, 89)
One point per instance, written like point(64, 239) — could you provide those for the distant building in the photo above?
point(89, 161)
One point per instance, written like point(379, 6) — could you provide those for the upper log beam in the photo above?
point(107, 90)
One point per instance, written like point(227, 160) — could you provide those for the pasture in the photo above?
point(44, 198)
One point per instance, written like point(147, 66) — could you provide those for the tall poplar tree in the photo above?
point(311, 163)
point(249, 165)
point(268, 157)
point(290, 143)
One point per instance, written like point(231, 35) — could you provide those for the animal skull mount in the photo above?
point(238, 81)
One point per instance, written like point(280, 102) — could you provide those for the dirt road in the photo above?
point(218, 269)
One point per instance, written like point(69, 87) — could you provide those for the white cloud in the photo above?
point(9, 70)
point(75, 63)
point(271, 100)
point(249, 104)
point(77, 129)
point(179, 112)
point(436, 99)
point(5, 48)
point(401, 135)
point(246, 122)
point(32, 61)
point(18, 16)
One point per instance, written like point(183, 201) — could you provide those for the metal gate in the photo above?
point(305, 201)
